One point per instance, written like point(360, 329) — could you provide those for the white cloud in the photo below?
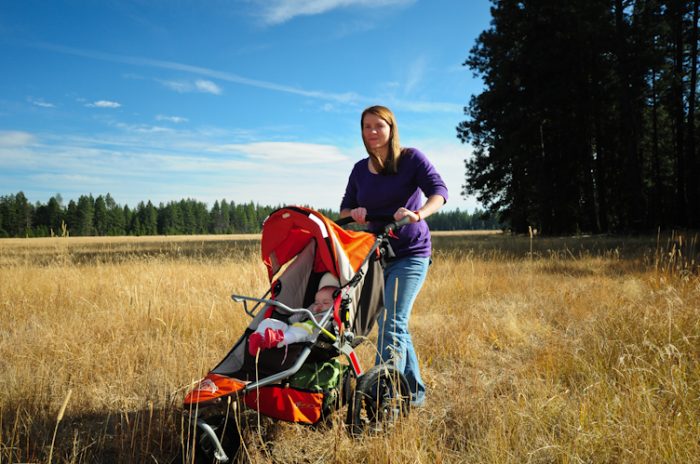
point(178, 86)
point(285, 153)
point(141, 128)
point(346, 98)
point(40, 102)
point(427, 107)
point(141, 164)
point(280, 11)
point(103, 104)
point(415, 73)
point(207, 87)
point(200, 85)
point(15, 138)
point(173, 119)
point(138, 166)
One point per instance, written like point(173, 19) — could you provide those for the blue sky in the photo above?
point(243, 100)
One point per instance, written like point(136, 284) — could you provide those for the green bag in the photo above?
point(320, 377)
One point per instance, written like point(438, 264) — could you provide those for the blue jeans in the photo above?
point(395, 344)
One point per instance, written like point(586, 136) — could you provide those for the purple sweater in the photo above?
point(382, 195)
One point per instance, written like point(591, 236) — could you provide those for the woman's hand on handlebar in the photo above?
point(403, 212)
point(359, 215)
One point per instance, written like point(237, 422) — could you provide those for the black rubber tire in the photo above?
point(203, 449)
point(381, 398)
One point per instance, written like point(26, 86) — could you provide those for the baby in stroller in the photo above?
point(273, 333)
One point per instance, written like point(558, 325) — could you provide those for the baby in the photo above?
point(273, 333)
point(323, 299)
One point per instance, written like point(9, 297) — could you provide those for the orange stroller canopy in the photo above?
point(288, 230)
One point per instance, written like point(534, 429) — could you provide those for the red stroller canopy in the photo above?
point(288, 230)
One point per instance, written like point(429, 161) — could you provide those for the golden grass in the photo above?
point(580, 349)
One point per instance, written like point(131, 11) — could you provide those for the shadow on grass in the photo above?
point(143, 436)
point(670, 252)
point(151, 435)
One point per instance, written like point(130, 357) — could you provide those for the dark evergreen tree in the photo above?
point(115, 221)
point(128, 216)
point(25, 212)
point(225, 218)
point(85, 216)
point(55, 214)
point(101, 220)
point(72, 218)
point(3, 218)
point(201, 217)
point(587, 115)
point(149, 219)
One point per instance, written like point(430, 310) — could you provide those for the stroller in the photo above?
point(303, 382)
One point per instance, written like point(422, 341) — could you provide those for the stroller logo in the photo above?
point(304, 405)
point(207, 385)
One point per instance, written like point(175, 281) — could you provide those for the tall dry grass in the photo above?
point(579, 349)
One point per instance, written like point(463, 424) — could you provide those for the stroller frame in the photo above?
point(376, 390)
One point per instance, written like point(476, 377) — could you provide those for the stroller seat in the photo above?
point(295, 288)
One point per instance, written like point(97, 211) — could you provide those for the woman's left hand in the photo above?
point(403, 212)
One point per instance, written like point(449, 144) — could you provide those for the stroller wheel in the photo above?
point(203, 450)
point(381, 398)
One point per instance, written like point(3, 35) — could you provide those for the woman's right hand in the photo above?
point(358, 215)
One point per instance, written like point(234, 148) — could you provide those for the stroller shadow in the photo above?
point(153, 435)
point(149, 435)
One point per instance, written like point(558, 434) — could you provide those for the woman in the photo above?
point(392, 182)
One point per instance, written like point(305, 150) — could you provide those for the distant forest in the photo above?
point(102, 216)
point(588, 118)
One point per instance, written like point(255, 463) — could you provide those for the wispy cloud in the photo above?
point(207, 86)
point(40, 102)
point(288, 153)
point(347, 97)
point(140, 128)
point(416, 73)
point(199, 85)
point(173, 119)
point(279, 11)
point(15, 138)
point(103, 104)
point(426, 106)
point(140, 166)
point(344, 98)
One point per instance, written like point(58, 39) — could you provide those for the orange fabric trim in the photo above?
point(213, 386)
point(356, 244)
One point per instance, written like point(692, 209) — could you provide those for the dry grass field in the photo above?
point(535, 350)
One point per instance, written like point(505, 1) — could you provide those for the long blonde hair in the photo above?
point(391, 164)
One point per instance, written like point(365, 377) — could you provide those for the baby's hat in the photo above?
point(328, 280)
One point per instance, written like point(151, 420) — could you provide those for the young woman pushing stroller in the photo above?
point(392, 182)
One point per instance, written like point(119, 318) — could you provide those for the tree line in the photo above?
point(102, 216)
point(587, 120)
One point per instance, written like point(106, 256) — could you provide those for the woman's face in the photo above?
point(375, 131)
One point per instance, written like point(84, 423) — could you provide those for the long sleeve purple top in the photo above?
point(382, 195)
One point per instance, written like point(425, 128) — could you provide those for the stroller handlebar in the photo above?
point(242, 298)
point(391, 223)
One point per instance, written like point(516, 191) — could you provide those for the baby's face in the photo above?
point(323, 299)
